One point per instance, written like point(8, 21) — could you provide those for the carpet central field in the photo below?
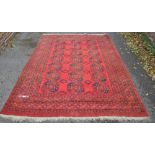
point(75, 76)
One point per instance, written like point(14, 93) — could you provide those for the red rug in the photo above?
point(75, 76)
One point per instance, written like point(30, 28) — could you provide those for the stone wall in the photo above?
point(4, 39)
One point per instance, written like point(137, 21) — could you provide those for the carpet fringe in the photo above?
point(74, 119)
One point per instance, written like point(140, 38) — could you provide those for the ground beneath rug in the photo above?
point(75, 76)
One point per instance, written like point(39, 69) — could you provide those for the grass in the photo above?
point(141, 46)
point(147, 42)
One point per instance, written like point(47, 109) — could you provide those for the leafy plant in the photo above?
point(142, 46)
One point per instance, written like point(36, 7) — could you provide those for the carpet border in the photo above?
point(74, 34)
point(73, 119)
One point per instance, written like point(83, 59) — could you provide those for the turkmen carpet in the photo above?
point(75, 76)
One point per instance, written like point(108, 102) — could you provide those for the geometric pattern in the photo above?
point(75, 67)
